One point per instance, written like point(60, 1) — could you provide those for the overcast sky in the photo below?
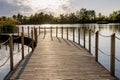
point(28, 7)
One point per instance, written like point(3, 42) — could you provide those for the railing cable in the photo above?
point(117, 37)
point(104, 35)
point(117, 59)
point(98, 49)
point(5, 41)
point(16, 37)
point(4, 62)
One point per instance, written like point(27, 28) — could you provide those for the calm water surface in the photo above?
point(105, 31)
point(104, 42)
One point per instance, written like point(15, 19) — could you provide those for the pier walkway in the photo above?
point(59, 59)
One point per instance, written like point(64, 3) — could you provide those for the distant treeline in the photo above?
point(81, 16)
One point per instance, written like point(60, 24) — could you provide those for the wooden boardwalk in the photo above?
point(59, 59)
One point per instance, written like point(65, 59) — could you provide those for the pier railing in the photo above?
point(69, 33)
point(66, 32)
point(8, 40)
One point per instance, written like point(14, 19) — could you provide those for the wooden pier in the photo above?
point(56, 57)
point(59, 59)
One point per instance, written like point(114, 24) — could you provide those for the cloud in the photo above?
point(55, 7)
point(10, 7)
point(28, 7)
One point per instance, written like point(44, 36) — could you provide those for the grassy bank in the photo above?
point(6, 27)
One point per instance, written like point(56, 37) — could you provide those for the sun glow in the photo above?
point(51, 6)
point(44, 4)
point(55, 7)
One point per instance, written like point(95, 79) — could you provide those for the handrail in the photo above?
point(5, 62)
point(5, 41)
point(92, 31)
point(30, 43)
point(16, 37)
point(117, 37)
point(63, 32)
point(98, 49)
point(104, 35)
point(97, 34)
point(117, 59)
point(21, 49)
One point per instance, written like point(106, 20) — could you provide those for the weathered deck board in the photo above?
point(60, 60)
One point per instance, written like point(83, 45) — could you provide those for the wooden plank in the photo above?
point(54, 60)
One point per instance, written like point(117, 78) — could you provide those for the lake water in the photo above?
point(105, 31)
point(4, 58)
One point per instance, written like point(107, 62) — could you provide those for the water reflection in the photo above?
point(115, 28)
point(5, 57)
point(104, 43)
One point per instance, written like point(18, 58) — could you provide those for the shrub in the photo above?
point(8, 28)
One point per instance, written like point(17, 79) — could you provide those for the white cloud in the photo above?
point(28, 7)
point(33, 6)
point(52, 6)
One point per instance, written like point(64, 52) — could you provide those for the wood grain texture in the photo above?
point(60, 59)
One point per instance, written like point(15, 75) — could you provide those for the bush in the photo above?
point(102, 22)
point(8, 28)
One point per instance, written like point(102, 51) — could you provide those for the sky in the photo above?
point(56, 7)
